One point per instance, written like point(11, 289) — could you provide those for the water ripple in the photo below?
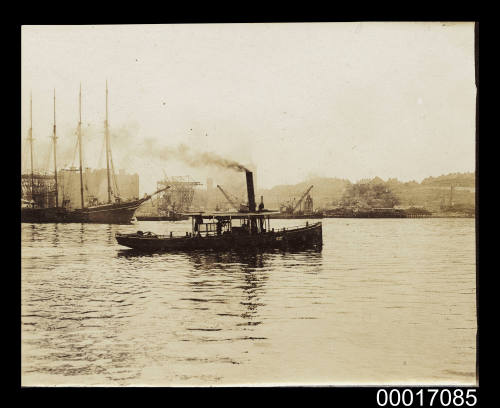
point(384, 300)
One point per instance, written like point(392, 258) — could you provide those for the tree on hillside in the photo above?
point(375, 195)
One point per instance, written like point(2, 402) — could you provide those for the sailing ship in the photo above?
point(118, 211)
point(229, 230)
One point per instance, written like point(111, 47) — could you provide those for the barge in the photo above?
point(174, 217)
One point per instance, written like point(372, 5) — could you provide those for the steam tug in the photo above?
point(248, 228)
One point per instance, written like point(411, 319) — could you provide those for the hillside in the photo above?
point(457, 179)
point(325, 193)
point(433, 193)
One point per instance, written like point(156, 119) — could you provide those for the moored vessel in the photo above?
point(172, 217)
point(115, 211)
point(282, 216)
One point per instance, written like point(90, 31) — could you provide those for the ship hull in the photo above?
point(51, 215)
point(309, 236)
point(121, 213)
point(114, 213)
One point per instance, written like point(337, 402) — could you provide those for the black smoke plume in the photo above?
point(191, 157)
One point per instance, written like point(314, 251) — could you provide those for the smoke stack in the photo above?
point(250, 191)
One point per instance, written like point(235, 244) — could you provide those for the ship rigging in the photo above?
point(117, 212)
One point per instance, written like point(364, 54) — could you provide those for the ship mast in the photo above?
point(54, 138)
point(30, 139)
point(106, 132)
point(80, 145)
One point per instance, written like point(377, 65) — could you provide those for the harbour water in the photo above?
point(386, 301)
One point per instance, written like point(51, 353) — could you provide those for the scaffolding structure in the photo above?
point(39, 190)
point(178, 198)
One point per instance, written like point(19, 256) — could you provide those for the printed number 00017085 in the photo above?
point(445, 397)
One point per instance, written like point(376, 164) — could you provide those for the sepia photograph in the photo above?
point(248, 204)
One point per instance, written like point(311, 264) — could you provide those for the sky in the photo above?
point(293, 101)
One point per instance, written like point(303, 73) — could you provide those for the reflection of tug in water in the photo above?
point(228, 230)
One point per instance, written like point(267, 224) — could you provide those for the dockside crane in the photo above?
point(291, 209)
point(229, 200)
point(297, 205)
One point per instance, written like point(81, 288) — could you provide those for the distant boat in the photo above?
point(229, 230)
point(118, 212)
point(353, 212)
point(297, 216)
point(172, 217)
